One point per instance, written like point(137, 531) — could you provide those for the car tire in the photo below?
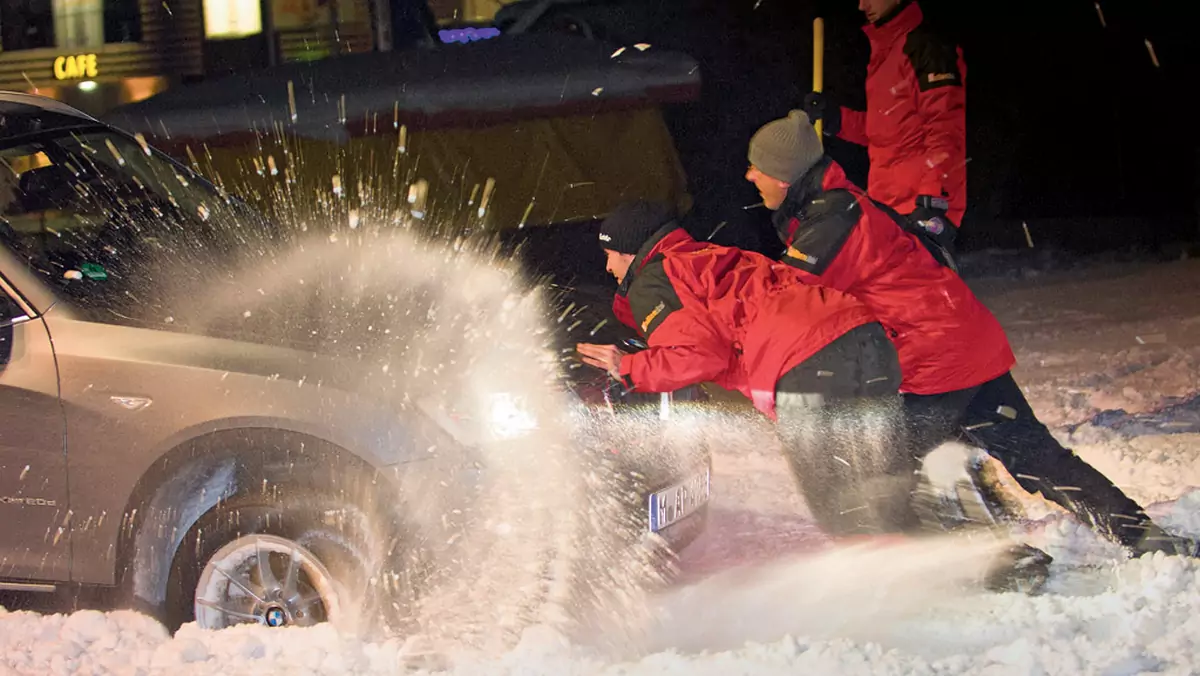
point(298, 561)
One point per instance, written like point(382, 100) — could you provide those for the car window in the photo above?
point(102, 218)
point(9, 310)
point(8, 313)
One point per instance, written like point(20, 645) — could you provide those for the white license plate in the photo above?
point(672, 504)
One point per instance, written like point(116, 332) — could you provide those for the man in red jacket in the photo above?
point(954, 355)
point(914, 126)
point(808, 357)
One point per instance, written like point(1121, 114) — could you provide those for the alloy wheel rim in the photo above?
point(266, 580)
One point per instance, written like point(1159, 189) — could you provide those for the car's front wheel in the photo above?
point(293, 562)
point(268, 580)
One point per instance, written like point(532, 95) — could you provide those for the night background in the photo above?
point(1072, 127)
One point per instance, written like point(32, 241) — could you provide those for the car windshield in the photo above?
point(89, 208)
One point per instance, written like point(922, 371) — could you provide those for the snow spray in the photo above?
point(524, 522)
point(855, 591)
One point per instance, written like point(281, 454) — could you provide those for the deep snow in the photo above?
point(757, 596)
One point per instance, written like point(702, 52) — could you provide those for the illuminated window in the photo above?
point(482, 10)
point(456, 12)
point(78, 23)
point(225, 19)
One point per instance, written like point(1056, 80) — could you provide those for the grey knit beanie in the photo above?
point(786, 148)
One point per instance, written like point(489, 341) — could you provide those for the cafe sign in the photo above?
point(75, 67)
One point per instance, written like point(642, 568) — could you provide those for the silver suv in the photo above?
point(242, 466)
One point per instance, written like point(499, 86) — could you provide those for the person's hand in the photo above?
point(605, 357)
point(818, 106)
point(930, 215)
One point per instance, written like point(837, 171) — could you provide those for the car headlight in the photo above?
point(501, 416)
point(509, 416)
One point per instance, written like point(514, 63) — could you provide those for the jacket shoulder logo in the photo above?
point(942, 77)
point(796, 253)
point(653, 313)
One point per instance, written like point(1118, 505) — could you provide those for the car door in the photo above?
point(34, 513)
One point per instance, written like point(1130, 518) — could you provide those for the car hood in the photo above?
point(403, 308)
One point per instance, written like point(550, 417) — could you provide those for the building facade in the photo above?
point(98, 54)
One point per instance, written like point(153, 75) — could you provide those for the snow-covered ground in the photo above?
point(1100, 350)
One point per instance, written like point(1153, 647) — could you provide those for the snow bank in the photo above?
point(1139, 616)
point(759, 595)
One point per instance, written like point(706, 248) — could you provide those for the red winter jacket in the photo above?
point(946, 339)
point(733, 317)
point(671, 238)
point(915, 126)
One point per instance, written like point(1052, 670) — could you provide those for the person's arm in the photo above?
point(941, 105)
point(684, 348)
point(853, 126)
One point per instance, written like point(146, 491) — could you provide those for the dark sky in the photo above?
point(1068, 117)
point(1071, 126)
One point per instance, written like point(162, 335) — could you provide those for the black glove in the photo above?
point(930, 217)
point(818, 106)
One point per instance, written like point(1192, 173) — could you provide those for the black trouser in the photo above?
point(996, 417)
point(840, 426)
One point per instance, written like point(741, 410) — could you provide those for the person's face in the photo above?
point(876, 9)
point(773, 190)
point(618, 264)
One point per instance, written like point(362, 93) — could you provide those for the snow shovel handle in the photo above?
point(818, 77)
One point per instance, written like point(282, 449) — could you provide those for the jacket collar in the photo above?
point(825, 175)
point(664, 238)
point(905, 17)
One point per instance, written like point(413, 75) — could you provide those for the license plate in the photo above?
point(672, 504)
